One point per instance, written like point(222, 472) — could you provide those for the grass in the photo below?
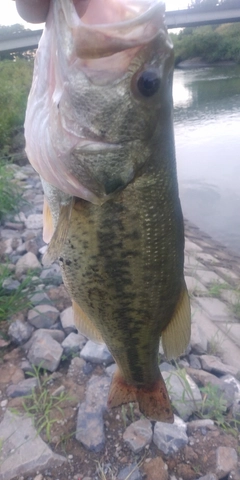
point(15, 80)
point(214, 346)
point(12, 302)
point(42, 406)
point(10, 192)
point(216, 289)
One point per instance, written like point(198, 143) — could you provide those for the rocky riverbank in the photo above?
point(75, 436)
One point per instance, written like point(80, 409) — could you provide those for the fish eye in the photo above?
point(149, 82)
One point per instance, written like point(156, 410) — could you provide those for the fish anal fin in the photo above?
point(48, 228)
point(153, 401)
point(176, 336)
point(60, 234)
point(85, 325)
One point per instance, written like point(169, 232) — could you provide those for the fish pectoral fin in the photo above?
point(60, 234)
point(48, 228)
point(85, 325)
point(153, 401)
point(176, 336)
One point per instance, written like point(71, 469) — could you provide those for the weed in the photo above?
point(12, 302)
point(10, 192)
point(216, 288)
point(187, 393)
point(214, 346)
point(124, 415)
point(127, 413)
point(214, 405)
point(40, 404)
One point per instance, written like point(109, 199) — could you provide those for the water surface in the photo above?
point(207, 135)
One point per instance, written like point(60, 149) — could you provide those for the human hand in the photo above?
point(35, 11)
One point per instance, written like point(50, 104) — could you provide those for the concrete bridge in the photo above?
point(194, 18)
point(28, 40)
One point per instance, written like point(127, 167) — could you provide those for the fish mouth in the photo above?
point(107, 27)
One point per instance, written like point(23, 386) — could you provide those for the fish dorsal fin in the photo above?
point(60, 234)
point(85, 325)
point(176, 336)
point(48, 228)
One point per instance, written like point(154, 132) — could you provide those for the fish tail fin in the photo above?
point(176, 336)
point(153, 402)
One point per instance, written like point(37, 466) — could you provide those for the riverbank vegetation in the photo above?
point(15, 81)
point(210, 43)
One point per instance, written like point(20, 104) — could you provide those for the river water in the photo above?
point(207, 136)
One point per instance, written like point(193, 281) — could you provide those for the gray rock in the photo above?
point(22, 388)
point(111, 369)
point(131, 472)
point(90, 425)
point(194, 361)
point(90, 428)
point(10, 285)
point(138, 435)
point(198, 339)
point(52, 275)
point(97, 392)
point(74, 342)
point(184, 393)
point(21, 248)
point(45, 352)
point(57, 335)
point(205, 423)
point(19, 332)
point(34, 222)
point(18, 438)
point(26, 366)
point(43, 316)
point(210, 363)
point(27, 262)
point(226, 461)
point(40, 298)
point(167, 367)
point(169, 438)
point(67, 320)
point(231, 380)
point(209, 476)
point(96, 353)
point(32, 246)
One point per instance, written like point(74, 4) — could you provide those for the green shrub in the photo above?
point(15, 82)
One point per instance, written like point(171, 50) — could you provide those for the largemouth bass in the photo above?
point(99, 131)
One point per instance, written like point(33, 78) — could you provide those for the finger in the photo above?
point(81, 6)
point(33, 11)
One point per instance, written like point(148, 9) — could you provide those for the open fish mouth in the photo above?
point(109, 27)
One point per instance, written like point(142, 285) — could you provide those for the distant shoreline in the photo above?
point(198, 62)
